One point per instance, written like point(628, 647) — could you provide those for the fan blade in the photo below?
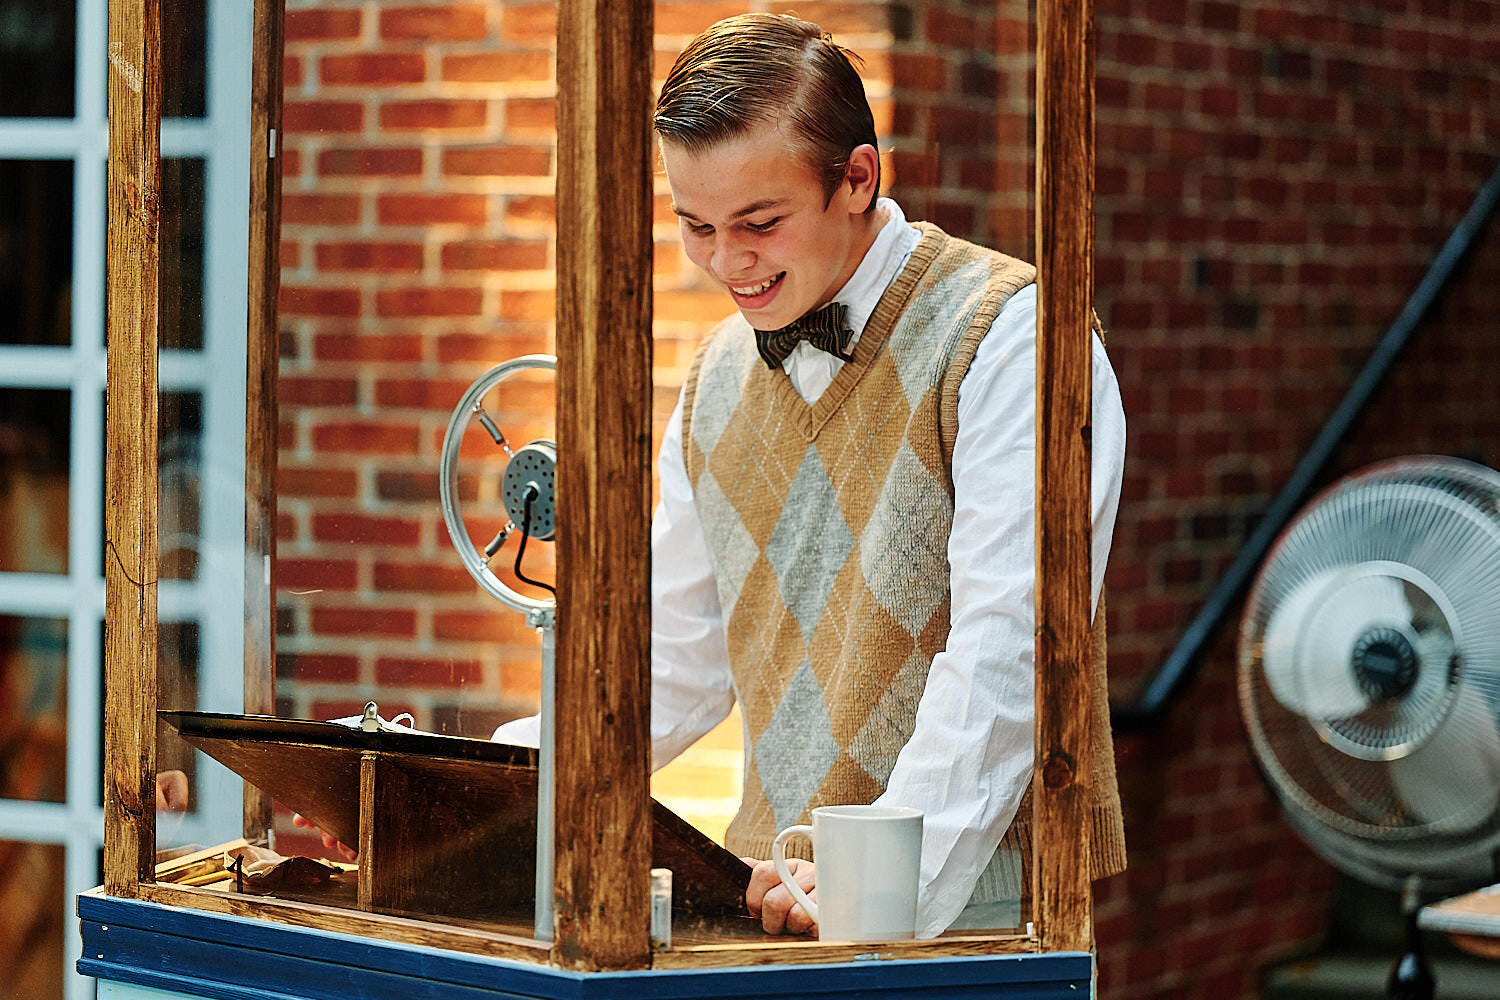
point(1452, 781)
point(1311, 635)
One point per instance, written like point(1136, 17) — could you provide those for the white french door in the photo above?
point(53, 151)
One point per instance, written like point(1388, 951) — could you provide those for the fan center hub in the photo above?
point(1384, 663)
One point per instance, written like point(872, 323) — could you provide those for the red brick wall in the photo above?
point(962, 86)
point(1270, 185)
point(417, 252)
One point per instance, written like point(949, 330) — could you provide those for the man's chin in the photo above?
point(766, 319)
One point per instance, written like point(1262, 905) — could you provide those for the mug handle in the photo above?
point(778, 856)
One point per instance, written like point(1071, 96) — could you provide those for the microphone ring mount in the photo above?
point(531, 466)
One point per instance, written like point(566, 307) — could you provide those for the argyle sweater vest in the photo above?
point(827, 527)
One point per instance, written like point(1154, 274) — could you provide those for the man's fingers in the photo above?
point(774, 908)
point(171, 791)
point(797, 920)
point(763, 878)
point(781, 914)
point(767, 898)
point(333, 844)
point(329, 842)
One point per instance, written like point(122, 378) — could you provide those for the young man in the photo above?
point(845, 537)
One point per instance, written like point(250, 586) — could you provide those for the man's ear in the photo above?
point(863, 177)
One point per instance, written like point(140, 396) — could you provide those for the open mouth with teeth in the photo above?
point(749, 295)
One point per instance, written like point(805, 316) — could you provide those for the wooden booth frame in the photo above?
point(604, 64)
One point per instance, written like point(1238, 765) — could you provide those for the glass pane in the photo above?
point(181, 423)
point(184, 49)
point(176, 773)
point(374, 602)
point(33, 709)
point(34, 480)
point(179, 474)
point(36, 58)
point(704, 784)
point(181, 278)
point(31, 935)
point(36, 249)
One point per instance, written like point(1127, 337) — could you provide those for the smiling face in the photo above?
point(755, 218)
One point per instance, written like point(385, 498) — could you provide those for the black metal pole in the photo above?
point(1183, 661)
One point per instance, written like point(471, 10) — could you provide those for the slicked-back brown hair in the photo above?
point(755, 69)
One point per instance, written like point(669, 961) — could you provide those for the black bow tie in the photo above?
point(823, 328)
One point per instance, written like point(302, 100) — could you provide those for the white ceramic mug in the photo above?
point(869, 859)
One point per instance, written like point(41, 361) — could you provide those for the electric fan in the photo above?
point(1369, 673)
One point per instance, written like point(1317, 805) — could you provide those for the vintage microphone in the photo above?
point(528, 491)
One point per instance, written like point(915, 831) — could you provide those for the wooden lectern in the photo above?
point(444, 826)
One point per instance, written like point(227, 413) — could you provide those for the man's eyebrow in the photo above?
point(759, 206)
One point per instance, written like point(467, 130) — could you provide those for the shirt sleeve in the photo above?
point(969, 759)
point(692, 689)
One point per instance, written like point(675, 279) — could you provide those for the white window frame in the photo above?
point(215, 599)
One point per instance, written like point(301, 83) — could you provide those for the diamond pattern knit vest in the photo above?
point(827, 525)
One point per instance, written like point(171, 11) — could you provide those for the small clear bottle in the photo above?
point(661, 908)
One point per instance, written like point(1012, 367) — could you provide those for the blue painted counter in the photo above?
point(154, 950)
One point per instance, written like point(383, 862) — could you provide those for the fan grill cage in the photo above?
point(1434, 524)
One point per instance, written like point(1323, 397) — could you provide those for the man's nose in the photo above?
point(731, 257)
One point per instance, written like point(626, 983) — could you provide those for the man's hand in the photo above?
point(349, 853)
point(772, 902)
point(171, 791)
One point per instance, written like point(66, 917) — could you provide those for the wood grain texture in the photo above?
point(261, 354)
point(335, 920)
point(1064, 240)
point(130, 510)
point(603, 853)
point(439, 834)
point(370, 853)
point(791, 951)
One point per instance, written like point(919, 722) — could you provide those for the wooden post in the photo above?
point(371, 858)
point(604, 214)
point(261, 357)
point(130, 507)
point(1064, 241)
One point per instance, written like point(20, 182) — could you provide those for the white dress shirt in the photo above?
point(969, 758)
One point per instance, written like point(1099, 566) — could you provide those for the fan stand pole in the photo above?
point(1411, 976)
point(544, 620)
